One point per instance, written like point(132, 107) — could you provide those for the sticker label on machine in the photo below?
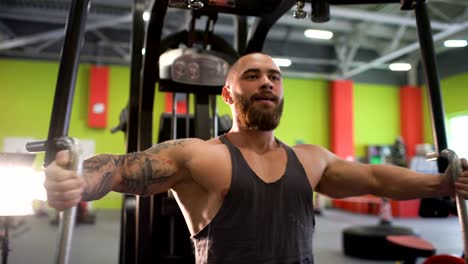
point(200, 69)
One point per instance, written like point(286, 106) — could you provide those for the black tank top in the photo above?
point(264, 223)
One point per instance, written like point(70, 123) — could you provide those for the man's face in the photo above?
point(253, 116)
point(258, 93)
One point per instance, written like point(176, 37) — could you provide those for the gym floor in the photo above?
point(35, 241)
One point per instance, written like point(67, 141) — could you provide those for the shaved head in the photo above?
point(240, 64)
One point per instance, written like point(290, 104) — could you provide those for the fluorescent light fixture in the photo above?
point(455, 43)
point(146, 16)
point(318, 34)
point(400, 66)
point(282, 62)
point(143, 51)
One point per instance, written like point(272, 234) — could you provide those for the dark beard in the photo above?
point(249, 117)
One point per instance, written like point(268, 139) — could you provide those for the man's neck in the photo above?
point(258, 141)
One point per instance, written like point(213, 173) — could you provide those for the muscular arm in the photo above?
point(343, 178)
point(148, 172)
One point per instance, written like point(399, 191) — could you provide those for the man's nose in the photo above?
point(267, 83)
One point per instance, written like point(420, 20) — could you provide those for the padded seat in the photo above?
point(385, 242)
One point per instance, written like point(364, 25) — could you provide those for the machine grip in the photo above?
point(456, 169)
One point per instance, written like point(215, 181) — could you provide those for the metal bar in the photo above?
point(119, 50)
point(405, 50)
point(68, 68)
point(187, 115)
point(397, 39)
point(260, 29)
point(6, 30)
point(311, 75)
point(5, 240)
point(174, 117)
point(240, 33)
point(152, 33)
point(68, 217)
point(129, 230)
point(361, 2)
point(432, 79)
point(380, 18)
point(202, 114)
point(61, 110)
point(214, 115)
point(45, 44)
point(53, 34)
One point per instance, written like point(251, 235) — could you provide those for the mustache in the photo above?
point(265, 95)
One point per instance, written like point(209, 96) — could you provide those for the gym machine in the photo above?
point(139, 224)
point(266, 14)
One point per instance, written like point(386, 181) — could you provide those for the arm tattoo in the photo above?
point(138, 171)
point(144, 169)
point(97, 173)
point(141, 171)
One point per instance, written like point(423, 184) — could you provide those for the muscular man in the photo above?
point(246, 196)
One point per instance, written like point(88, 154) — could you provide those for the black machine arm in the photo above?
point(60, 118)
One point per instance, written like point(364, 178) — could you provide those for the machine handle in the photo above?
point(456, 168)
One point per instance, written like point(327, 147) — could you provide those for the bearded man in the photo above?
point(246, 196)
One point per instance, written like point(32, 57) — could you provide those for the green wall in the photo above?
point(454, 91)
point(305, 116)
point(27, 90)
point(376, 115)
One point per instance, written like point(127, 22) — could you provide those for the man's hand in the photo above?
point(461, 185)
point(64, 187)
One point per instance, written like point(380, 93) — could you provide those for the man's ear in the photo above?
point(226, 94)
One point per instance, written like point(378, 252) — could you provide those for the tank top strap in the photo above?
point(289, 151)
point(228, 143)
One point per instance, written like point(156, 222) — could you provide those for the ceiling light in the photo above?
point(455, 43)
point(143, 51)
point(282, 62)
point(318, 34)
point(146, 16)
point(400, 66)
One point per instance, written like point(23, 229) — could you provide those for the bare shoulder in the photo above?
point(314, 159)
point(308, 151)
point(188, 149)
point(209, 163)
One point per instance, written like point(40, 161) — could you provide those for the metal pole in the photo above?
point(65, 87)
point(187, 115)
point(5, 246)
point(61, 110)
point(170, 194)
point(361, 2)
point(214, 114)
point(432, 80)
point(68, 217)
point(129, 246)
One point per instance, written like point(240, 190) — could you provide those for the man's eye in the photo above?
point(251, 77)
point(275, 78)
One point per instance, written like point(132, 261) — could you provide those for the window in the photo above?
point(458, 136)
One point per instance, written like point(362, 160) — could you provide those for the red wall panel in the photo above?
point(98, 97)
point(341, 118)
point(411, 119)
